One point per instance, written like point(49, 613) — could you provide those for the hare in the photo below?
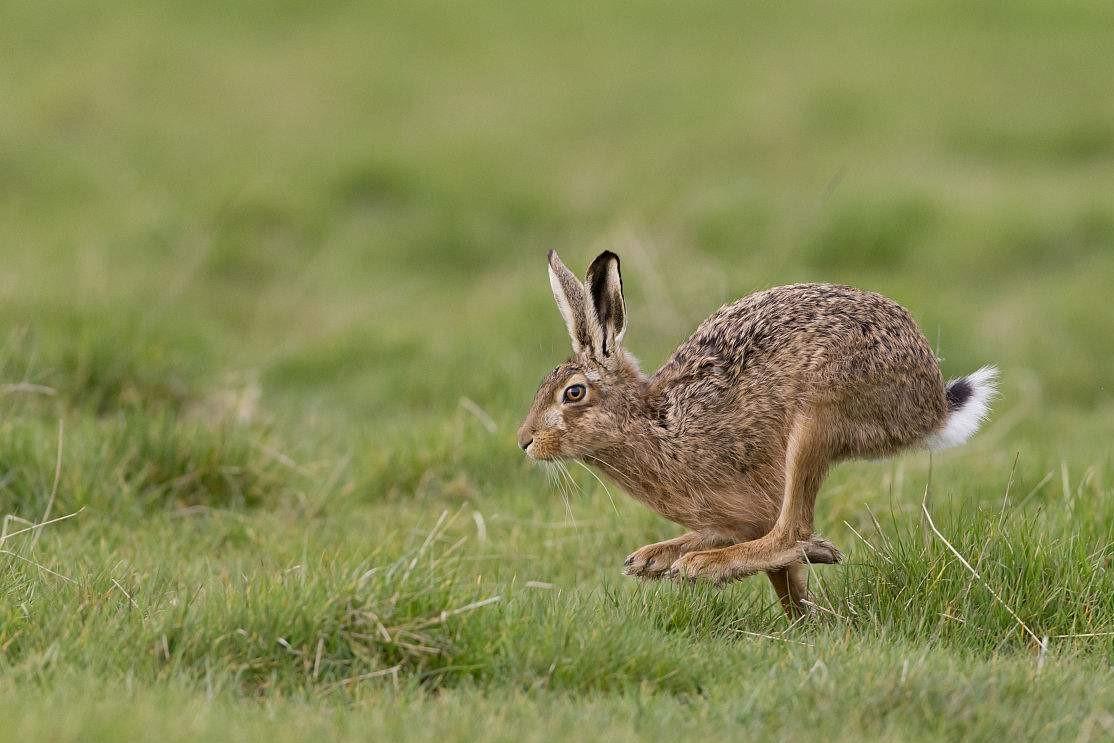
point(733, 435)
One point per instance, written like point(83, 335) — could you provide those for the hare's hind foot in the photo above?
point(653, 560)
point(721, 566)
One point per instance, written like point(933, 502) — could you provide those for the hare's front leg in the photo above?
point(653, 560)
point(791, 540)
point(763, 555)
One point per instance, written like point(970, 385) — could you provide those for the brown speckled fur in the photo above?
point(733, 435)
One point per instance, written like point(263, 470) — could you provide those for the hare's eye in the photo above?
point(575, 392)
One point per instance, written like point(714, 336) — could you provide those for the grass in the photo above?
point(277, 275)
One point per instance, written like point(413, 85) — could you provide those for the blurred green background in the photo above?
point(278, 268)
point(337, 197)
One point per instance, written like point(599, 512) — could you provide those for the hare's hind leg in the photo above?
point(809, 452)
point(791, 586)
point(653, 560)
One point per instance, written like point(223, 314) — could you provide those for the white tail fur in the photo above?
point(981, 387)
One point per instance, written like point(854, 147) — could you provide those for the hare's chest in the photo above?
point(740, 510)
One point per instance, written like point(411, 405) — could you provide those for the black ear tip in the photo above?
point(602, 260)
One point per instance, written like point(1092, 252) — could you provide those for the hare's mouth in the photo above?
point(541, 452)
point(543, 456)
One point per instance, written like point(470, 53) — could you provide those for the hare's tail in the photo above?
point(968, 404)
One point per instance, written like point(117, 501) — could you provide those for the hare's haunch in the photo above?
point(733, 435)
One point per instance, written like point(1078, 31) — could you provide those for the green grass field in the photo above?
point(273, 301)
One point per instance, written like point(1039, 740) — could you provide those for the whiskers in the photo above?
point(562, 480)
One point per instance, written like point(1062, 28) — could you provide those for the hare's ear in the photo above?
point(605, 284)
point(572, 301)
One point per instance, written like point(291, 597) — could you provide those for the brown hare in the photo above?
point(733, 435)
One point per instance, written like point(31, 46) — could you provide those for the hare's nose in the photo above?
point(525, 435)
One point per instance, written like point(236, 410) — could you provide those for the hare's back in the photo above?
point(827, 333)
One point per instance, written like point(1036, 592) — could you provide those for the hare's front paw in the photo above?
point(747, 558)
point(653, 560)
point(718, 566)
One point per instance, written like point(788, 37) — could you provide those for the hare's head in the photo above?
point(584, 405)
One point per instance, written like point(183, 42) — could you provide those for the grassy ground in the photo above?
point(272, 300)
